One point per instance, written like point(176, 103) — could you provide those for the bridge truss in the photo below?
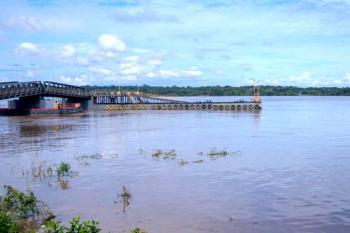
point(10, 90)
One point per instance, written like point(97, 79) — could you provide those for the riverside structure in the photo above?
point(28, 98)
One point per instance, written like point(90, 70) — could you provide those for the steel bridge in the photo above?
point(10, 90)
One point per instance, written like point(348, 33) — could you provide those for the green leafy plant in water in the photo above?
point(63, 169)
point(19, 204)
point(75, 226)
point(8, 225)
point(138, 230)
point(21, 212)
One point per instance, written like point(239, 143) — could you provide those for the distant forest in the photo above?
point(231, 91)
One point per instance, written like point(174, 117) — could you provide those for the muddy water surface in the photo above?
point(288, 167)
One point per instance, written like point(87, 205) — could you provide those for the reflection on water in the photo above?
point(34, 130)
point(291, 173)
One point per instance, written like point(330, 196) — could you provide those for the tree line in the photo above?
point(230, 90)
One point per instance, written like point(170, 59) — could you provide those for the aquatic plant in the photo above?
point(75, 226)
point(84, 159)
point(215, 154)
point(183, 162)
point(63, 169)
point(7, 224)
point(125, 198)
point(60, 173)
point(39, 171)
point(159, 154)
point(21, 212)
point(198, 161)
point(20, 204)
point(138, 230)
point(141, 152)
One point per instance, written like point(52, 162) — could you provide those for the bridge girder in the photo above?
point(10, 90)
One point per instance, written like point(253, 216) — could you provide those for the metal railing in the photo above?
point(10, 90)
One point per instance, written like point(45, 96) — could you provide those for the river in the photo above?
point(287, 167)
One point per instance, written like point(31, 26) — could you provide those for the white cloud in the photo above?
point(155, 62)
point(27, 48)
point(168, 73)
point(192, 72)
point(133, 59)
point(68, 51)
point(79, 80)
point(150, 75)
point(111, 42)
point(103, 71)
point(130, 69)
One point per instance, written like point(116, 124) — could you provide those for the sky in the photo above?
point(178, 42)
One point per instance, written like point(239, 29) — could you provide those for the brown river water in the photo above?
point(289, 170)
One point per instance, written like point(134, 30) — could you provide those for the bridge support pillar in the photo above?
point(30, 102)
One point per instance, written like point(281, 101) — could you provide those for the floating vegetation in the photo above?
point(215, 154)
point(43, 172)
point(138, 230)
point(198, 161)
point(84, 159)
point(141, 152)
point(171, 155)
point(21, 212)
point(125, 196)
point(183, 162)
point(39, 171)
point(64, 169)
point(159, 154)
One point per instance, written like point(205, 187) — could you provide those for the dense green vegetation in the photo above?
point(231, 91)
point(23, 213)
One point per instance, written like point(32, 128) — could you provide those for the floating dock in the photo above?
point(127, 101)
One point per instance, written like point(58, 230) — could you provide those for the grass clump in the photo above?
point(159, 154)
point(63, 169)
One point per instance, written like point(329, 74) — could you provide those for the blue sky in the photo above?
point(178, 42)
